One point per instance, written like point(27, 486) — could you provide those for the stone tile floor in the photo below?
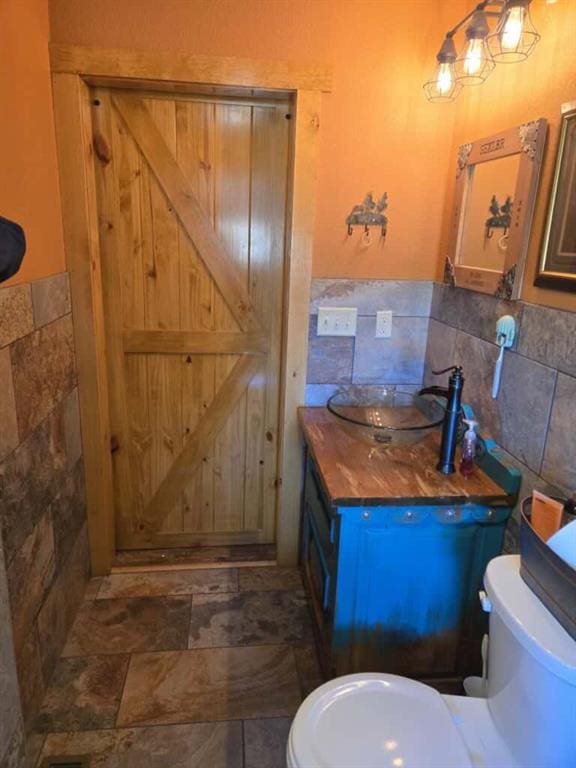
point(182, 669)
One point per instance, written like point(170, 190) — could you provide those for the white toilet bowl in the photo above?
point(372, 721)
point(527, 720)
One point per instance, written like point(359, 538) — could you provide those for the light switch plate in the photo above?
point(383, 324)
point(337, 321)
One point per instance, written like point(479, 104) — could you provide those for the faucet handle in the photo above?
point(455, 368)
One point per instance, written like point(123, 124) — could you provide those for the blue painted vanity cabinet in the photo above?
point(393, 553)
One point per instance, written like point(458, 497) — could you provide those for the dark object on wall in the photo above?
point(12, 248)
point(501, 216)
point(547, 575)
point(557, 268)
point(369, 214)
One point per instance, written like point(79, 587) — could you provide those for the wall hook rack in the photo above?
point(369, 214)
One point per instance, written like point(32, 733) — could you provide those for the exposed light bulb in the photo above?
point(513, 28)
point(474, 56)
point(445, 79)
point(443, 86)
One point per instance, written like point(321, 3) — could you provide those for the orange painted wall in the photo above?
point(521, 92)
point(29, 175)
point(378, 131)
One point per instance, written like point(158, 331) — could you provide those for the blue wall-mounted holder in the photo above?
point(505, 335)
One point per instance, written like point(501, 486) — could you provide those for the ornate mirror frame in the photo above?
point(528, 141)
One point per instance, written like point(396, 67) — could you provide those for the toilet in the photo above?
point(527, 718)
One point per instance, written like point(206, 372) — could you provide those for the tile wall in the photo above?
point(534, 417)
point(334, 361)
point(11, 725)
point(42, 511)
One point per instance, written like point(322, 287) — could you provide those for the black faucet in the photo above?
point(453, 395)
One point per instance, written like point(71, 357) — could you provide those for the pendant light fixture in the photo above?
point(515, 36)
point(443, 86)
point(512, 40)
point(475, 62)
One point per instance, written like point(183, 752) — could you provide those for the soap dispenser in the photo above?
point(468, 448)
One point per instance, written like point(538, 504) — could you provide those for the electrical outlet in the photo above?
point(337, 321)
point(383, 324)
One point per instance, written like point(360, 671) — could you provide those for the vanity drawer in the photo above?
point(319, 569)
point(317, 507)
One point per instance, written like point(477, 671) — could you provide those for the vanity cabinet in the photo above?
point(393, 553)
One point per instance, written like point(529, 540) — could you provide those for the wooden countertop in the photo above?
point(355, 474)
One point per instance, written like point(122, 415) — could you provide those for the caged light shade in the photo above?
point(443, 86)
point(475, 63)
point(515, 36)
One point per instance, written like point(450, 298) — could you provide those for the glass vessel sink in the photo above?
point(385, 415)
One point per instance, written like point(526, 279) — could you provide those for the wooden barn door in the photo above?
point(191, 201)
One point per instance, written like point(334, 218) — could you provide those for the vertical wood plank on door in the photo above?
point(232, 217)
point(267, 229)
point(195, 154)
point(129, 274)
point(162, 302)
point(136, 366)
point(115, 207)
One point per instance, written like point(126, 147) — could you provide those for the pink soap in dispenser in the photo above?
point(468, 448)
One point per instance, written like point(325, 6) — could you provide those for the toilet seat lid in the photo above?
point(376, 721)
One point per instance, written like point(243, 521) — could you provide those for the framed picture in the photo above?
point(496, 184)
point(557, 267)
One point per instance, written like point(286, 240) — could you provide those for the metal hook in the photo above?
point(503, 243)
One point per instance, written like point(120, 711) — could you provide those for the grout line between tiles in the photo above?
point(183, 722)
point(548, 422)
point(142, 726)
point(186, 595)
point(189, 630)
point(131, 654)
point(123, 689)
point(43, 737)
point(259, 716)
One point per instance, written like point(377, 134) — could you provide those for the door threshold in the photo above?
point(194, 558)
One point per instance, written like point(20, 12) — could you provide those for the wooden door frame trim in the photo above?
point(261, 74)
point(73, 70)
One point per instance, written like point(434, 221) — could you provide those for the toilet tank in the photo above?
point(531, 672)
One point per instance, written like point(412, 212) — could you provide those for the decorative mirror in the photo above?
point(496, 184)
point(557, 267)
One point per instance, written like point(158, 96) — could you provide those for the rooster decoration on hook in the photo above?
point(369, 214)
